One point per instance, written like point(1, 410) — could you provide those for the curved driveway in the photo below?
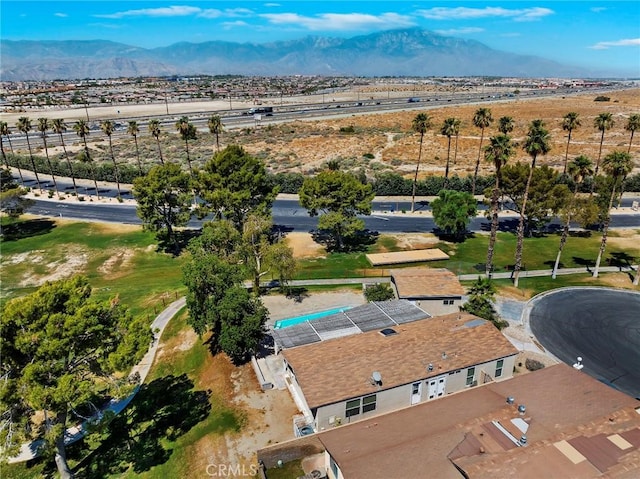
point(599, 324)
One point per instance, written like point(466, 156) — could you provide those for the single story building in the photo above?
point(436, 290)
point(341, 380)
point(553, 423)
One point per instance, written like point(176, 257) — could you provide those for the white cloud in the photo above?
point(465, 13)
point(341, 21)
point(628, 42)
point(460, 31)
point(237, 23)
point(60, 15)
point(272, 5)
point(172, 11)
point(598, 9)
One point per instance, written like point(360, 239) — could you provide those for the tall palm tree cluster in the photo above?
point(537, 142)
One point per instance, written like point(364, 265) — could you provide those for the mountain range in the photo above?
point(405, 52)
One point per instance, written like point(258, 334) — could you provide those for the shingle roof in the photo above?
point(421, 282)
point(338, 369)
point(562, 405)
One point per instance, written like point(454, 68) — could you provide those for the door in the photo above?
point(436, 387)
point(416, 392)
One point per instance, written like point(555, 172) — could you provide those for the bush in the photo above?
point(378, 292)
point(602, 98)
point(533, 364)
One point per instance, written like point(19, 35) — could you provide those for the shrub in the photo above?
point(378, 292)
point(533, 364)
point(602, 98)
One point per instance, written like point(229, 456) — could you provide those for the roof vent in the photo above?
point(376, 378)
point(430, 367)
point(444, 355)
point(523, 440)
point(388, 332)
point(522, 409)
point(510, 400)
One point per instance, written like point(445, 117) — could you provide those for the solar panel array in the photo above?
point(368, 317)
point(402, 311)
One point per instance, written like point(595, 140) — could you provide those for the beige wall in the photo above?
point(399, 397)
point(436, 307)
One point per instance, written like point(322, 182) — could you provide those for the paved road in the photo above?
point(601, 325)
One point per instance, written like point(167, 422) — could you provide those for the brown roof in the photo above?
point(421, 282)
point(413, 256)
point(562, 404)
point(338, 369)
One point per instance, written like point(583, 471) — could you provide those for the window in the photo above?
point(499, 365)
point(369, 403)
point(448, 302)
point(470, 373)
point(334, 466)
point(353, 408)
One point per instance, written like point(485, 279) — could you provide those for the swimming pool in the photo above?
point(285, 323)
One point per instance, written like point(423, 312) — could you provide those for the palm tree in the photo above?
point(457, 125)
point(578, 169)
point(617, 165)
point(448, 129)
point(569, 123)
point(215, 127)
point(43, 126)
point(536, 143)
point(498, 152)
point(154, 129)
point(633, 124)
point(420, 124)
point(59, 127)
point(81, 127)
point(506, 124)
point(5, 131)
point(108, 127)
point(133, 130)
point(603, 122)
point(482, 119)
point(24, 126)
point(187, 132)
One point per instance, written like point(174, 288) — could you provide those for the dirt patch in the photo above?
point(34, 256)
point(409, 241)
point(184, 341)
point(119, 260)
point(74, 260)
point(304, 247)
point(511, 292)
point(617, 280)
point(625, 239)
point(522, 357)
point(114, 228)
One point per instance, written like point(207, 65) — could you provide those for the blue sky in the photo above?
point(597, 34)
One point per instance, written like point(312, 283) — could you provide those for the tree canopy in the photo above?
point(453, 210)
point(12, 200)
point(60, 348)
point(233, 184)
point(337, 196)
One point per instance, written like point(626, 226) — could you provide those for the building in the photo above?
point(341, 380)
point(436, 290)
point(554, 423)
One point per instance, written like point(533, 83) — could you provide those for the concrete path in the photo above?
point(30, 450)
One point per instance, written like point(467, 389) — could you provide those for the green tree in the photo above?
point(61, 348)
point(164, 200)
point(108, 127)
point(58, 126)
point(256, 244)
point(12, 200)
point(337, 197)
point(378, 292)
point(234, 184)
point(420, 124)
point(133, 130)
point(506, 125)
point(449, 128)
point(453, 210)
point(282, 264)
point(617, 165)
point(187, 132)
point(570, 122)
point(215, 127)
point(219, 237)
point(82, 130)
point(154, 129)
point(536, 143)
point(481, 119)
point(480, 303)
point(24, 126)
point(498, 152)
point(603, 122)
point(43, 126)
point(5, 131)
point(633, 124)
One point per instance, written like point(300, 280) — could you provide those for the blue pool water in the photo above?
point(285, 323)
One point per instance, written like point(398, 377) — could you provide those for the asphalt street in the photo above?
point(600, 325)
